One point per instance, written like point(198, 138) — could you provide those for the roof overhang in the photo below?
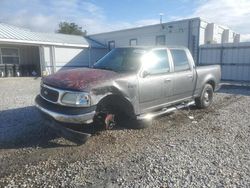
point(38, 43)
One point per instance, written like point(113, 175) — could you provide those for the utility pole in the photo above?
point(161, 15)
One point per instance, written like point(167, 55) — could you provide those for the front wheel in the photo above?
point(106, 119)
point(206, 98)
point(109, 117)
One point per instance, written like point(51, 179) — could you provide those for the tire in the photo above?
point(106, 118)
point(119, 118)
point(206, 98)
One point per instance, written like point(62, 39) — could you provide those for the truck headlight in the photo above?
point(76, 99)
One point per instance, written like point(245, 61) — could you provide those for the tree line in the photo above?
point(70, 28)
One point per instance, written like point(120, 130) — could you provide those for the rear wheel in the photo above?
point(206, 98)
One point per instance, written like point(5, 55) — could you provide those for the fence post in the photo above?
point(221, 55)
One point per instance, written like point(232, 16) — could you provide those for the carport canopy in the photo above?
point(15, 40)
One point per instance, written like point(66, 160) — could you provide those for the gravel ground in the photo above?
point(19, 119)
point(212, 149)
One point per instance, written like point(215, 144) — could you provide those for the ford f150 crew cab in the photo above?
point(128, 83)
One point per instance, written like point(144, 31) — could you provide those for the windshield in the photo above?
point(121, 60)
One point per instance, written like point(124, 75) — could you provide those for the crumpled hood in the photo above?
point(79, 79)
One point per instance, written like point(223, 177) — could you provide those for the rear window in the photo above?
point(180, 60)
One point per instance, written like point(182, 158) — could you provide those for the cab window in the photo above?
point(156, 62)
point(180, 60)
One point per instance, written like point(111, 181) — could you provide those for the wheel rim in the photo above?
point(110, 122)
point(208, 95)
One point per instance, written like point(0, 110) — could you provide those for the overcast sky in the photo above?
point(97, 16)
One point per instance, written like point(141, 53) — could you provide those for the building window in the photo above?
point(160, 40)
point(9, 55)
point(111, 45)
point(133, 42)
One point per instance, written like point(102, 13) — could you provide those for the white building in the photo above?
point(189, 32)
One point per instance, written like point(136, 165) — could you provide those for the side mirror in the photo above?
point(145, 74)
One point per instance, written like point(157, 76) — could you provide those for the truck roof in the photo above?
point(156, 47)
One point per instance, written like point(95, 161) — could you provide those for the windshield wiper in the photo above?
point(104, 68)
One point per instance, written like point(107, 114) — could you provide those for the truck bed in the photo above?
point(208, 72)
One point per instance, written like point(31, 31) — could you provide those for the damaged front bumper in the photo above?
point(63, 114)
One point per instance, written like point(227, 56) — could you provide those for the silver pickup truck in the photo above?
point(129, 84)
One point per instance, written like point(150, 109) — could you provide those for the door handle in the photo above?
point(190, 76)
point(167, 80)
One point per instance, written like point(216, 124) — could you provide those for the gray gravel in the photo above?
point(212, 149)
point(19, 119)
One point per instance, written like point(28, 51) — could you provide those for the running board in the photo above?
point(164, 111)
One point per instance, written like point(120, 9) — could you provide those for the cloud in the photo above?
point(104, 26)
point(44, 16)
point(146, 22)
point(245, 38)
point(231, 13)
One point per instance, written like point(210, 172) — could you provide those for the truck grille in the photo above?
point(49, 94)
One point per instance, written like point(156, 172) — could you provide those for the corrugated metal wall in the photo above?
point(77, 57)
point(55, 58)
point(71, 57)
point(233, 58)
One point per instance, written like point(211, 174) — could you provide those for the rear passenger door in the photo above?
point(184, 77)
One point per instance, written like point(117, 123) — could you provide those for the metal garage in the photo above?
point(27, 53)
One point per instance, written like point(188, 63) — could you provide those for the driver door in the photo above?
point(154, 84)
